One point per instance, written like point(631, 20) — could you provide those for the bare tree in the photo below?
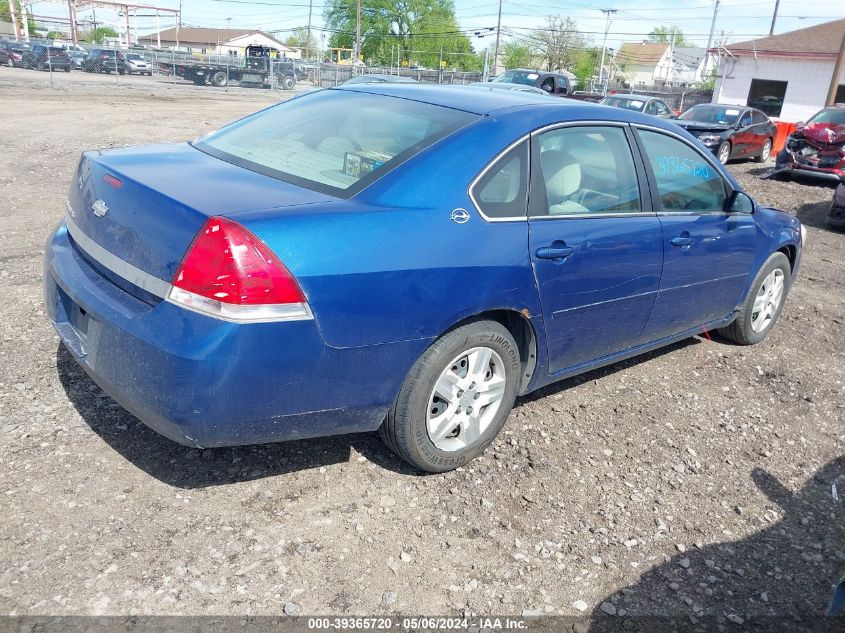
point(559, 41)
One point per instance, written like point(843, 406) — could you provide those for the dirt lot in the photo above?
point(694, 481)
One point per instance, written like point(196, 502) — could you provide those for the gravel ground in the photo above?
point(696, 480)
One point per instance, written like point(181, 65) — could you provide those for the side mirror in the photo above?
point(741, 202)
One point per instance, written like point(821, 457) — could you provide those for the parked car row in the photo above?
point(38, 56)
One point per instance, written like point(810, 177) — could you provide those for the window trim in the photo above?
point(643, 183)
point(487, 168)
point(655, 194)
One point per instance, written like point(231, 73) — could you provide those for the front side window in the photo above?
point(335, 141)
point(660, 108)
point(503, 190)
point(587, 170)
point(686, 181)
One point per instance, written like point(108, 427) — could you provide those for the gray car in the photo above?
point(640, 103)
point(137, 64)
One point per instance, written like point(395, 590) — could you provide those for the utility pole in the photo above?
point(669, 70)
point(178, 23)
point(607, 14)
point(710, 38)
point(357, 52)
point(158, 31)
point(308, 33)
point(25, 21)
point(498, 30)
point(71, 14)
point(14, 13)
point(774, 17)
point(837, 69)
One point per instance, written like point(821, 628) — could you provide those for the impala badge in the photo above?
point(99, 208)
point(460, 216)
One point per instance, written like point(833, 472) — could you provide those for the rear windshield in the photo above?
point(524, 77)
point(333, 141)
point(628, 104)
point(723, 115)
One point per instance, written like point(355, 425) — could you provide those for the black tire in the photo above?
point(740, 331)
point(764, 155)
point(288, 82)
point(219, 79)
point(404, 429)
point(720, 152)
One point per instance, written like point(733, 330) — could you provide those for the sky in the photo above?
point(737, 20)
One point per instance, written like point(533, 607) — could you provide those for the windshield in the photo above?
point(835, 116)
point(627, 104)
point(524, 77)
point(135, 57)
point(334, 141)
point(726, 115)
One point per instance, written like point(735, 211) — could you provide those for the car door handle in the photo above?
point(554, 252)
point(681, 241)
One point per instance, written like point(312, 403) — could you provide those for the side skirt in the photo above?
point(616, 357)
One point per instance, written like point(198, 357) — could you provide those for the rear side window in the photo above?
point(686, 181)
point(758, 117)
point(587, 170)
point(502, 192)
point(335, 141)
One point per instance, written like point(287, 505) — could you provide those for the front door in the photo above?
point(596, 247)
point(709, 252)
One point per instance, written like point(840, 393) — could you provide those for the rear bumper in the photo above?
point(205, 382)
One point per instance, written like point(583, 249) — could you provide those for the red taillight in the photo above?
point(114, 182)
point(229, 273)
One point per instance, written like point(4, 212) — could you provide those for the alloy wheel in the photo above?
point(465, 399)
point(724, 153)
point(766, 151)
point(768, 300)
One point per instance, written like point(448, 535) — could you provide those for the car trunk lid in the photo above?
point(145, 205)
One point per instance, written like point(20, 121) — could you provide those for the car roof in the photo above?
point(452, 96)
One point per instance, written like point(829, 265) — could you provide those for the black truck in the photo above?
point(257, 69)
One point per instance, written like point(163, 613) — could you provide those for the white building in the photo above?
point(787, 75)
point(231, 42)
point(651, 64)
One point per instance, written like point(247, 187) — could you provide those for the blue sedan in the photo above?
point(398, 257)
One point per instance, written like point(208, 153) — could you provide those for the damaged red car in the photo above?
point(817, 147)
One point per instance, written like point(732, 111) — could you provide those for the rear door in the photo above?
point(595, 244)
point(709, 253)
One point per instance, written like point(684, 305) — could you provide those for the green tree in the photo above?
point(99, 35)
point(585, 66)
point(516, 55)
point(558, 42)
point(56, 35)
point(421, 29)
point(664, 35)
point(299, 39)
point(6, 15)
